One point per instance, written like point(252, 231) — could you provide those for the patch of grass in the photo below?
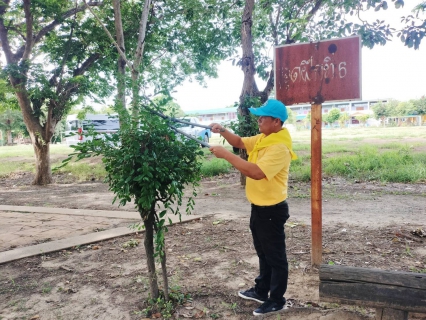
point(83, 171)
point(9, 167)
point(391, 145)
point(414, 269)
point(27, 150)
point(337, 148)
point(166, 308)
point(214, 167)
point(368, 164)
point(47, 288)
point(299, 170)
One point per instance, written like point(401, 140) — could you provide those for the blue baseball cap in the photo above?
point(271, 108)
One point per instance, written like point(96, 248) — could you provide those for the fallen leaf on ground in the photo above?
point(292, 224)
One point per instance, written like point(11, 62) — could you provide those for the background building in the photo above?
point(353, 108)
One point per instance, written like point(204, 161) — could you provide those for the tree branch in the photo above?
point(29, 30)
point(20, 52)
point(315, 9)
point(86, 64)
point(142, 33)
point(120, 52)
point(269, 86)
point(3, 34)
point(67, 14)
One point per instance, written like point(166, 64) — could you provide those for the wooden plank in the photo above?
point(374, 295)
point(377, 276)
point(316, 186)
point(390, 314)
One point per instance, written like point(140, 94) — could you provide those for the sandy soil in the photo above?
point(364, 224)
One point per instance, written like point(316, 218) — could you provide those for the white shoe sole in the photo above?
point(249, 298)
point(272, 312)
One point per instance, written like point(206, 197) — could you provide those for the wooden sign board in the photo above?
point(316, 72)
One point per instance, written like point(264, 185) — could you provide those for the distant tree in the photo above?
point(404, 108)
point(307, 120)
point(333, 115)
point(11, 122)
point(420, 106)
point(343, 118)
point(59, 131)
point(10, 119)
point(8, 98)
point(392, 106)
point(363, 119)
point(381, 111)
point(291, 116)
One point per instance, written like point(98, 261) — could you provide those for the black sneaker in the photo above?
point(251, 294)
point(267, 308)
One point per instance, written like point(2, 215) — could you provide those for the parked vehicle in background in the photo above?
point(197, 132)
point(101, 123)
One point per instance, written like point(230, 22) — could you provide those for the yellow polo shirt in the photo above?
point(274, 161)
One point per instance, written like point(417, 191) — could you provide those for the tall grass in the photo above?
point(395, 163)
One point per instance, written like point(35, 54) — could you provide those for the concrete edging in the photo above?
point(57, 245)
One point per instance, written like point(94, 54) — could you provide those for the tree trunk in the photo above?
point(247, 62)
point(247, 66)
point(138, 57)
point(149, 251)
point(43, 173)
point(9, 137)
point(121, 80)
point(164, 272)
point(40, 137)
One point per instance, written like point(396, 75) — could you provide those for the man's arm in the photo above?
point(233, 139)
point(248, 169)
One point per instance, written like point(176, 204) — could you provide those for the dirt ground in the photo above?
point(367, 225)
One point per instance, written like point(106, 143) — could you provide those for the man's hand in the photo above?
point(219, 151)
point(217, 128)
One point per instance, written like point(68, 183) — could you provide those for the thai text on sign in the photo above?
point(318, 72)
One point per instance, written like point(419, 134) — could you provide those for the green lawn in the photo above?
point(391, 154)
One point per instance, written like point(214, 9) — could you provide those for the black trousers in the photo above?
point(267, 228)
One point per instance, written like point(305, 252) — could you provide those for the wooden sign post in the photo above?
point(314, 73)
point(316, 186)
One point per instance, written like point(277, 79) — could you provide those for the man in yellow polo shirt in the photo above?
point(267, 168)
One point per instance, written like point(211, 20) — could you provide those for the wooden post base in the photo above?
point(390, 314)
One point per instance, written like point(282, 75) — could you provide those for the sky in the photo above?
point(392, 71)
